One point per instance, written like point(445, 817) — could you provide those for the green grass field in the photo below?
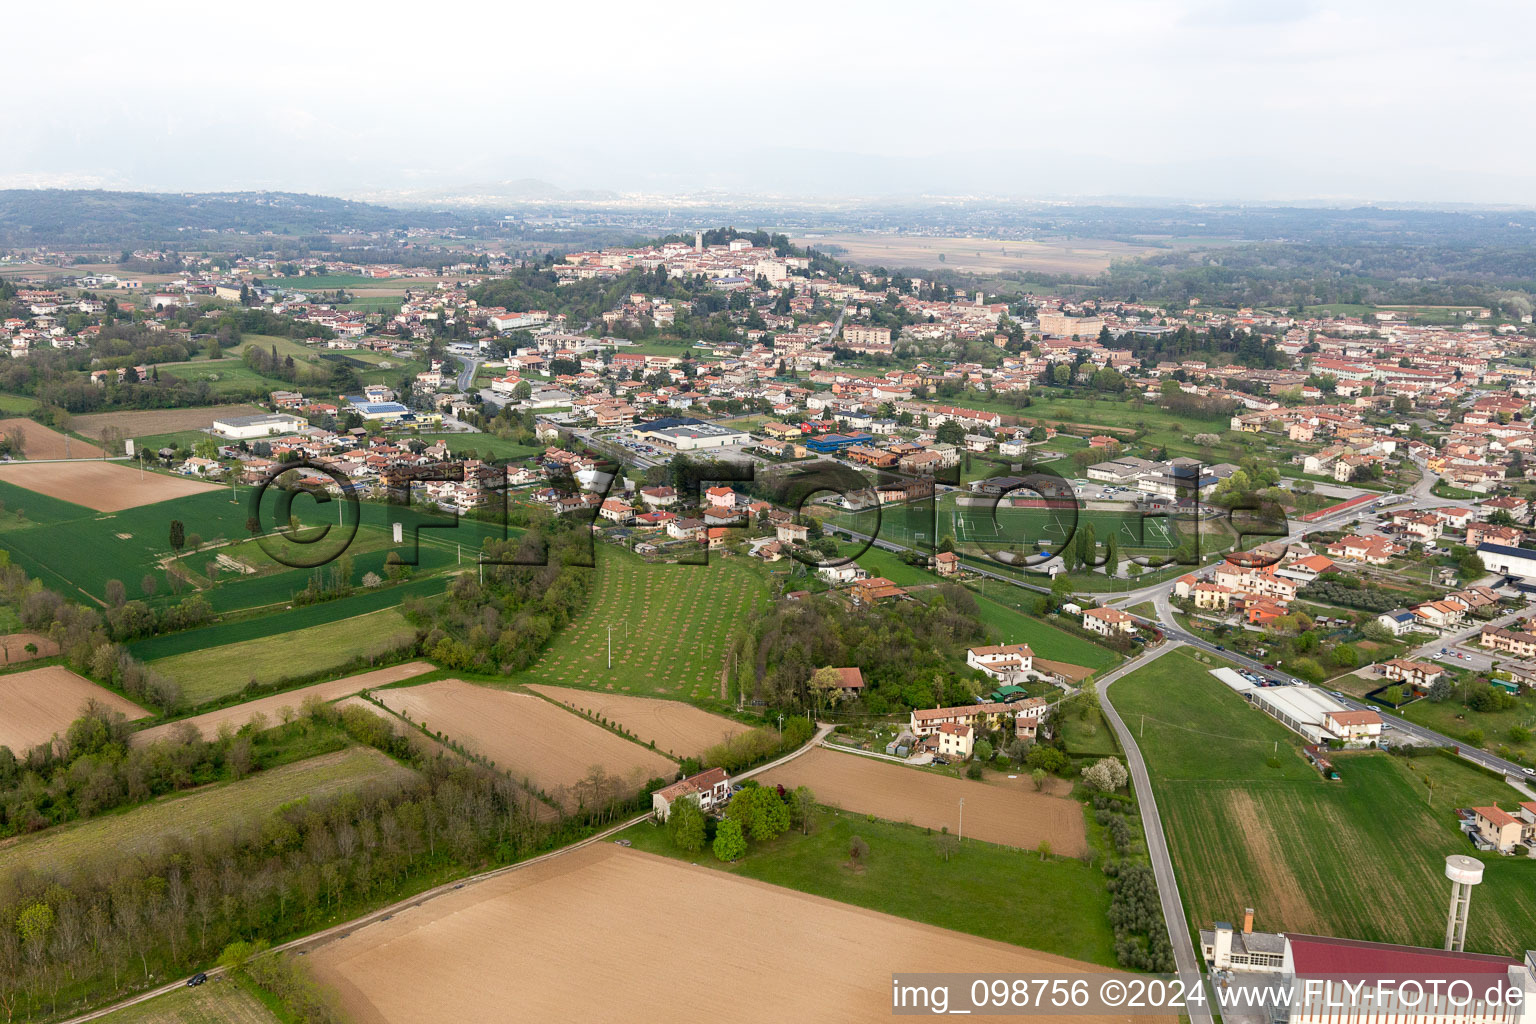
point(672, 626)
point(483, 445)
point(77, 550)
point(905, 876)
point(217, 1001)
point(140, 828)
point(1251, 824)
point(231, 376)
point(1455, 719)
point(215, 672)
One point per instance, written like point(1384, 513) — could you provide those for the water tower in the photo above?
point(1464, 872)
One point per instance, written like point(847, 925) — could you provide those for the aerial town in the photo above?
point(907, 543)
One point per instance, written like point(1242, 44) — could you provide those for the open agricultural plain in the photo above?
point(1085, 256)
point(272, 708)
point(1251, 824)
point(1009, 815)
point(40, 442)
point(148, 826)
point(671, 628)
point(675, 728)
point(556, 750)
point(103, 486)
point(41, 702)
point(468, 955)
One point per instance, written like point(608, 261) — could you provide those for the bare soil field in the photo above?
point(523, 940)
point(40, 442)
point(208, 725)
point(42, 701)
point(103, 486)
point(13, 647)
point(977, 255)
point(145, 422)
point(681, 730)
point(527, 736)
point(1009, 815)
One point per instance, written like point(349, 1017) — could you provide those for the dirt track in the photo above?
point(681, 730)
point(527, 736)
point(208, 724)
point(36, 704)
point(103, 486)
point(605, 934)
point(1010, 814)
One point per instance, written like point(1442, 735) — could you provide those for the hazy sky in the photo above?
point(1199, 99)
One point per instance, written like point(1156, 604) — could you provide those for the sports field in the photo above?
point(1009, 813)
point(675, 728)
point(103, 486)
point(220, 671)
point(1250, 824)
point(529, 737)
point(39, 703)
point(671, 627)
point(141, 829)
point(520, 938)
point(273, 707)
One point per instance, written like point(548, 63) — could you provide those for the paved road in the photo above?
point(1185, 957)
point(467, 375)
point(341, 931)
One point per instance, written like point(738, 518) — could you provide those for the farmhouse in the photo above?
point(1373, 550)
point(1352, 725)
point(709, 790)
point(926, 721)
point(1009, 663)
point(845, 682)
point(956, 740)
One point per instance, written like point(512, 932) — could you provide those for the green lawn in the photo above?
point(905, 876)
point(1047, 641)
point(232, 376)
point(139, 829)
point(1250, 824)
point(483, 445)
point(216, 672)
point(1455, 719)
point(672, 626)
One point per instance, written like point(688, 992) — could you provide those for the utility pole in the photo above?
point(781, 725)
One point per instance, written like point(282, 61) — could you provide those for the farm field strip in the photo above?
point(158, 421)
point(208, 724)
point(1006, 814)
point(103, 486)
point(40, 442)
point(681, 730)
point(526, 736)
point(671, 628)
point(141, 829)
point(221, 671)
point(1250, 823)
point(218, 1001)
point(618, 908)
point(38, 703)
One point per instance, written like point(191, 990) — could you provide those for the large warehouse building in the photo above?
point(244, 428)
point(687, 434)
point(1507, 560)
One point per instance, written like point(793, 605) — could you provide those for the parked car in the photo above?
point(623, 842)
point(196, 979)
